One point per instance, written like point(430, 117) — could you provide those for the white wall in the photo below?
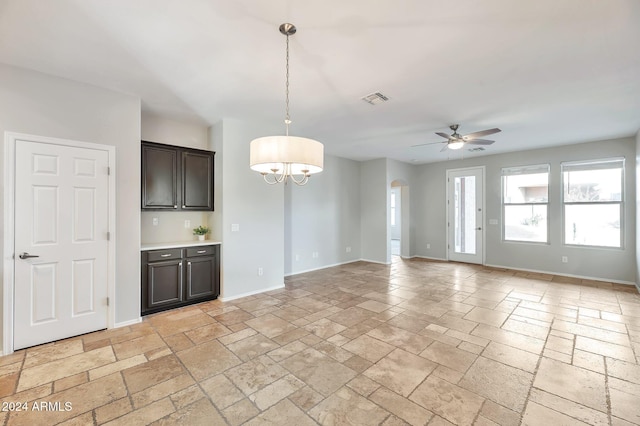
point(323, 216)
point(39, 104)
point(258, 209)
point(374, 205)
point(606, 264)
point(171, 224)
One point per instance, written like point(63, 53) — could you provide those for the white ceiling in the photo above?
point(547, 72)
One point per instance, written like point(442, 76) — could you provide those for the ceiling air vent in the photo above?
point(375, 98)
point(479, 148)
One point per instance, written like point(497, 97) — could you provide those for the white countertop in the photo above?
point(178, 244)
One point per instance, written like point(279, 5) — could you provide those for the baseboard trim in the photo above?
point(321, 267)
point(127, 323)
point(582, 277)
point(250, 293)
point(429, 258)
point(375, 261)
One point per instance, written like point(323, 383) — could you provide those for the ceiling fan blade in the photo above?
point(444, 135)
point(446, 147)
point(481, 133)
point(479, 142)
point(425, 144)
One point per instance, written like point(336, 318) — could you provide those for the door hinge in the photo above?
point(108, 171)
point(108, 236)
point(107, 301)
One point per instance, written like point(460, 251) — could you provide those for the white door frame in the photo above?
point(483, 201)
point(10, 140)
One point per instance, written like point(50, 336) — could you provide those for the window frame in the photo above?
point(524, 170)
point(593, 165)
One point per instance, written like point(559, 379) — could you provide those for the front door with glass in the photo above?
point(465, 215)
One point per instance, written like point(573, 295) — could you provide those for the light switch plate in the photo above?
point(235, 227)
point(493, 221)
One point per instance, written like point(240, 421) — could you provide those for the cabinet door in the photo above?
point(164, 281)
point(197, 180)
point(159, 178)
point(201, 277)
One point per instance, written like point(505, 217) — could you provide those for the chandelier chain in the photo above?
point(287, 119)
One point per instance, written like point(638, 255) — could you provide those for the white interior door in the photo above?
point(61, 220)
point(465, 216)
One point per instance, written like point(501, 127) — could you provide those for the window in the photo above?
point(525, 198)
point(592, 199)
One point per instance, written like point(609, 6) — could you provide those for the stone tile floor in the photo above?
point(418, 342)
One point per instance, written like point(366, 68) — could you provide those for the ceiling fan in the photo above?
point(457, 141)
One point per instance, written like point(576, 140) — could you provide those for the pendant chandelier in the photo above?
point(280, 158)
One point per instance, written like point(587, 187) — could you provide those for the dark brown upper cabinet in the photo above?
point(176, 178)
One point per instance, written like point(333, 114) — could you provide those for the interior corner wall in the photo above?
point(256, 208)
point(638, 209)
point(174, 132)
point(214, 135)
point(323, 218)
point(171, 224)
point(618, 265)
point(40, 104)
point(374, 193)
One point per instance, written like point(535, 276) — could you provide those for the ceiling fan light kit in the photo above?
point(280, 158)
point(455, 144)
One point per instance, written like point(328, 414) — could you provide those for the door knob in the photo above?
point(26, 255)
point(478, 229)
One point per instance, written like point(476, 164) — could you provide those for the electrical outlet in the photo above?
point(155, 221)
point(565, 259)
point(493, 221)
point(348, 249)
point(187, 223)
point(297, 258)
point(428, 246)
point(314, 255)
point(260, 272)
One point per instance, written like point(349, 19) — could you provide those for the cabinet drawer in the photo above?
point(168, 254)
point(201, 251)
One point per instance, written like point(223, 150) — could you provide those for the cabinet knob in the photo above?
point(183, 206)
point(175, 206)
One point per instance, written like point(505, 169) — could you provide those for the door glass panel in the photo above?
point(464, 199)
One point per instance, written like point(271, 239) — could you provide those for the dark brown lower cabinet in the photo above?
point(164, 283)
point(177, 277)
